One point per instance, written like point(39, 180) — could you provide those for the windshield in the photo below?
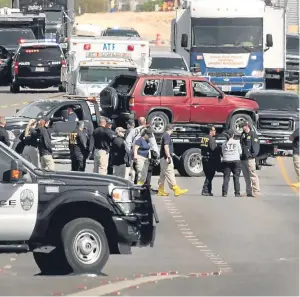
point(168, 63)
point(101, 74)
point(13, 36)
point(280, 101)
point(53, 16)
point(36, 109)
point(35, 53)
point(292, 45)
point(228, 32)
point(124, 33)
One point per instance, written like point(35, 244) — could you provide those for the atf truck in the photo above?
point(231, 42)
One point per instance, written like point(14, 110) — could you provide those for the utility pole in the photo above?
point(71, 13)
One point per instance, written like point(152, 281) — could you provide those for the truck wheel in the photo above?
point(237, 120)
point(53, 263)
point(158, 121)
point(14, 88)
point(85, 245)
point(191, 163)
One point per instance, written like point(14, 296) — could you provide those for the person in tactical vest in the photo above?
point(231, 152)
point(210, 160)
point(78, 145)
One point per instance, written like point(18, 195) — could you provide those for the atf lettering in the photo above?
point(73, 138)
point(204, 141)
point(108, 46)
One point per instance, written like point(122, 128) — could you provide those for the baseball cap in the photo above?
point(170, 127)
point(108, 121)
point(130, 122)
point(149, 132)
point(120, 129)
point(45, 118)
point(245, 124)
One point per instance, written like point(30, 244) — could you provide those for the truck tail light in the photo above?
point(131, 102)
point(21, 40)
point(130, 48)
point(87, 47)
point(63, 63)
point(16, 68)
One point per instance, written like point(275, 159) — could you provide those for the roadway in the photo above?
point(204, 246)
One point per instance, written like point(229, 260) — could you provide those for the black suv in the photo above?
point(278, 113)
point(37, 65)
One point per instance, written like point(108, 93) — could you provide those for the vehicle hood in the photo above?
point(91, 89)
point(72, 178)
point(183, 72)
point(279, 113)
point(16, 123)
point(242, 102)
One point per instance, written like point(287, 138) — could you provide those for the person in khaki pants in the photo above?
point(250, 149)
point(167, 172)
point(296, 155)
point(103, 137)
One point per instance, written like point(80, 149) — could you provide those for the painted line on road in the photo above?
point(285, 175)
point(213, 257)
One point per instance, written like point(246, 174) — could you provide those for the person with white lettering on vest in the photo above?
point(231, 152)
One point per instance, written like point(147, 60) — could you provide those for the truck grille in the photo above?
point(276, 124)
point(226, 74)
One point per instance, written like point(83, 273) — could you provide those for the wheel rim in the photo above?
point(158, 124)
point(238, 124)
point(87, 246)
point(195, 163)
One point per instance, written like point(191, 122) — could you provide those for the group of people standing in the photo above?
point(237, 156)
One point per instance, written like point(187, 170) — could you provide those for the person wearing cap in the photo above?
point(210, 160)
point(250, 149)
point(141, 156)
point(167, 172)
point(109, 125)
point(231, 152)
point(118, 153)
point(102, 142)
point(130, 126)
point(296, 155)
point(45, 147)
point(78, 146)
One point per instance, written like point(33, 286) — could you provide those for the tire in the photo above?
point(109, 99)
point(158, 121)
point(237, 119)
point(53, 263)
point(62, 89)
point(14, 88)
point(88, 228)
point(186, 168)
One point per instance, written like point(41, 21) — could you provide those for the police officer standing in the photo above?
point(3, 133)
point(296, 155)
point(210, 160)
point(78, 147)
point(250, 149)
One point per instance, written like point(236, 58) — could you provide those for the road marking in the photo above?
point(119, 286)
point(285, 175)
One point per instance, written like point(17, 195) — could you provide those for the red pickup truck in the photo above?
point(177, 99)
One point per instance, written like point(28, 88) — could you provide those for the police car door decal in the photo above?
point(18, 211)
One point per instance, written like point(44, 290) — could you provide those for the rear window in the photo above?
point(167, 63)
point(125, 33)
point(12, 36)
point(34, 53)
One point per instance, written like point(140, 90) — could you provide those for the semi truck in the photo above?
point(237, 45)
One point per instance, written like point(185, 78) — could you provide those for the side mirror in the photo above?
point(184, 40)
point(17, 171)
point(269, 40)
point(17, 110)
point(220, 96)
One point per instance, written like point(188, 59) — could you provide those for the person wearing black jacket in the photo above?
point(211, 156)
point(31, 142)
point(250, 149)
point(296, 155)
point(45, 148)
point(78, 145)
point(118, 153)
point(4, 137)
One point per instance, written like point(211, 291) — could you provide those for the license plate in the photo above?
point(226, 88)
point(39, 69)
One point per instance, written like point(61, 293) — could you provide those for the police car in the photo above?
point(71, 221)
point(37, 64)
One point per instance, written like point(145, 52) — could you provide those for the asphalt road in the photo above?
point(204, 246)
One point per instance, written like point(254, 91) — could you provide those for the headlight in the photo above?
point(257, 73)
point(11, 135)
point(122, 197)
